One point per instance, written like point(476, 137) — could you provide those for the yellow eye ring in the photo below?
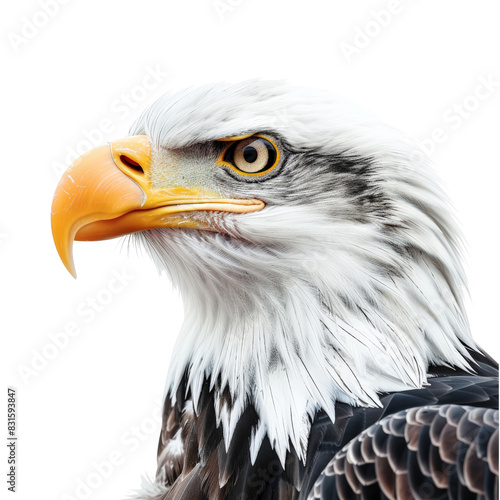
point(250, 156)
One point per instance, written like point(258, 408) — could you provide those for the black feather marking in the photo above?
point(380, 441)
point(328, 490)
point(491, 418)
point(454, 485)
point(422, 486)
point(372, 491)
point(476, 416)
point(474, 470)
point(482, 441)
point(397, 425)
point(343, 489)
point(490, 485)
point(351, 476)
point(425, 415)
point(403, 488)
point(366, 473)
point(386, 477)
point(454, 413)
point(439, 471)
point(448, 444)
point(397, 453)
point(423, 450)
point(467, 429)
point(367, 451)
point(204, 463)
point(355, 449)
point(439, 464)
point(436, 428)
point(493, 452)
point(230, 462)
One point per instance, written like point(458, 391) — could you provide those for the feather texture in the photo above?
point(363, 454)
point(421, 453)
point(333, 306)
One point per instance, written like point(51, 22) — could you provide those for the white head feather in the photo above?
point(347, 284)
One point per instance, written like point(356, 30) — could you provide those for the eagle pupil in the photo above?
point(250, 154)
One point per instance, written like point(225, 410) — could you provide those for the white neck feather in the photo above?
point(292, 330)
point(323, 296)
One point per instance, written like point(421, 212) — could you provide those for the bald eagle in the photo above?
point(325, 351)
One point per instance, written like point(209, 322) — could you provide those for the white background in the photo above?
point(62, 79)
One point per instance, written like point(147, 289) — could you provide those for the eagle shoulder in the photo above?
point(437, 451)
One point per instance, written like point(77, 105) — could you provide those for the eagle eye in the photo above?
point(254, 156)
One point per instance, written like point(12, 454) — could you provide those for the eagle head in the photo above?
point(312, 245)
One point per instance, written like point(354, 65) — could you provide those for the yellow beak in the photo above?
point(107, 193)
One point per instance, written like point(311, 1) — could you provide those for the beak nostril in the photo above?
point(131, 164)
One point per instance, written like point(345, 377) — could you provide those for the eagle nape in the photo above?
point(325, 351)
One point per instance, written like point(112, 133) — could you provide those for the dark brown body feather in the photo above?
point(431, 452)
point(452, 441)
